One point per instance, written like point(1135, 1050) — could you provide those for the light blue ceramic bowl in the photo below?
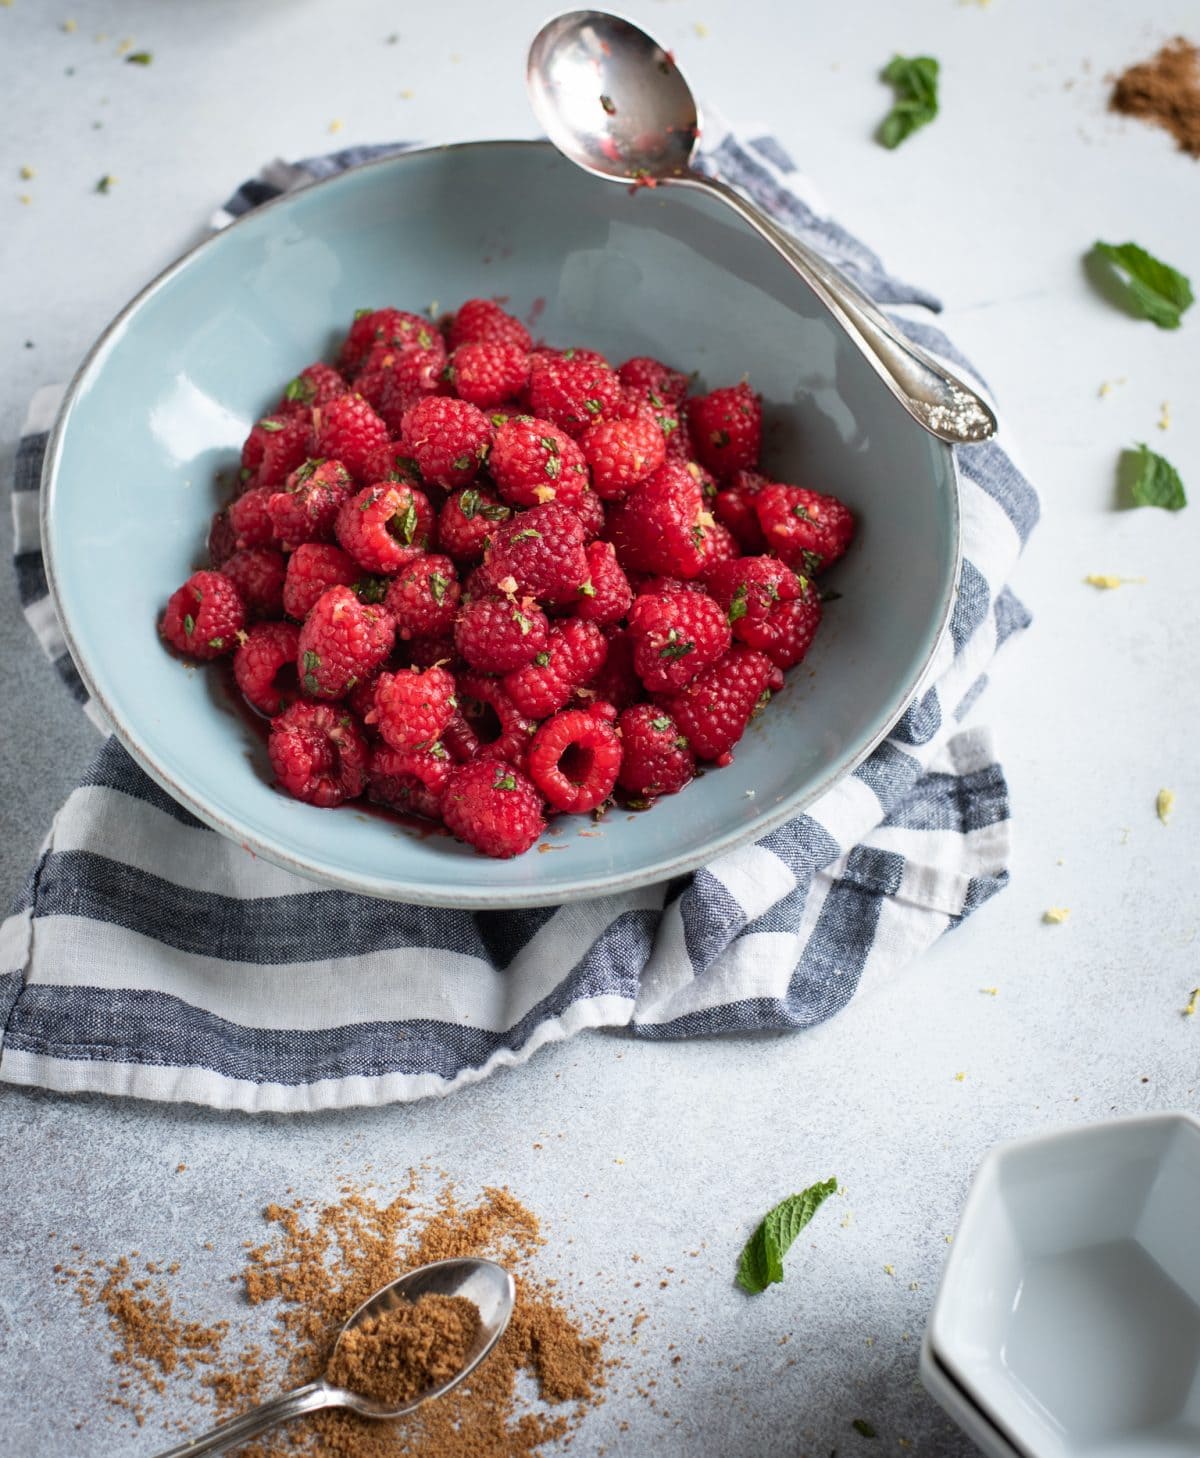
point(169, 392)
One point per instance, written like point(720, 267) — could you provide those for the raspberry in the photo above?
point(390, 463)
point(311, 570)
point(361, 702)
point(428, 652)
point(264, 667)
point(590, 511)
point(574, 760)
point(258, 574)
point(533, 462)
point(204, 617)
point(542, 551)
point(318, 753)
point(412, 708)
point(342, 640)
point(726, 429)
point(712, 712)
point(807, 530)
point(391, 327)
point(383, 527)
point(306, 508)
point(768, 606)
point(675, 637)
point(571, 393)
point(606, 595)
point(653, 381)
point(661, 526)
point(575, 656)
point(657, 759)
point(482, 321)
point(222, 539)
point(616, 683)
point(621, 453)
point(448, 439)
point(487, 374)
point(404, 380)
point(250, 518)
point(493, 807)
point(423, 598)
point(467, 520)
point(348, 430)
point(491, 725)
point(317, 384)
point(409, 780)
point(734, 507)
point(496, 634)
point(276, 446)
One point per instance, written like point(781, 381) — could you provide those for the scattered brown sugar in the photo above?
point(1166, 91)
point(318, 1264)
point(408, 1350)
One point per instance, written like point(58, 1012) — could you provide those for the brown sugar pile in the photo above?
point(1166, 91)
point(318, 1265)
point(411, 1349)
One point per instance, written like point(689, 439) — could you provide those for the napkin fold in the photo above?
point(150, 956)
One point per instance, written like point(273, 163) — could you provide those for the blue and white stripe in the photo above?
point(149, 956)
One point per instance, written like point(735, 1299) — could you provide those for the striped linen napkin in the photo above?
point(150, 956)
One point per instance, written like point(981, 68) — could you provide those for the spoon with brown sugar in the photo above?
point(412, 1341)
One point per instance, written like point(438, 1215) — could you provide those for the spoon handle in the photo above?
point(936, 399)
point(309, 1398)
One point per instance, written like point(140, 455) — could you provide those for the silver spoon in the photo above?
point(613, 102)
point(485, 1283)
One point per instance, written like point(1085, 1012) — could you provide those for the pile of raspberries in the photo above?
point(477, 580)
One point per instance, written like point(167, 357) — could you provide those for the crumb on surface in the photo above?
point(1164, 805)
point(700, 28)
point(991, 991)
point(960, 1078)
point(1192, 1003)
point(889, 1270)
point(1164, 416)
point(336, 124)
point(27, 173)
point(1056, 915)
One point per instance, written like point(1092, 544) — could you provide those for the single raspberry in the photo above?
point(390, 463)
point(542, 551)
point(662, 526)
point(482, 321)
point(496, 634)
point(491, 725)
point(575, 656)
point(617, 683)
point(313, 569)
point(448, 439)
point(571, 393)
point(409, 780)
point(258, 574)
point(768, 606)
point(657, 759)
point(493, 807)
point(204, 617)
point(734, 507)
point(307, 507)
point(621, 453)
point(342, 640)
point(726, 429)
point(533, 462)
point(264, 667)
point(222, 539)
point(653, 381)
point(487, 373)
point(676, 636)
point(429, 652)
point(250, 518)
point(590, 511)
point(403, 381)
point(318, 753)
point(423, 597)
point(807, 530)
point(383, 527)
point(712, 712)
point(348, 430)
point(467, 520)
point(276, 446)
point(574, 760)
point(390, 327)
point(412, 708)
point(606, 595)
point(317, 384)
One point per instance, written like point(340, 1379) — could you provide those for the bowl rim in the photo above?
point(471, 899)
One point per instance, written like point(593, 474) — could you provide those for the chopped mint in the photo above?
point(915, 79)
point(1154, 290)
point(1153, 481)
point(189, 625)
point(737, 607)
point(139, 58)
point(438, 585)
point(761, 1264)
point(864, 1428)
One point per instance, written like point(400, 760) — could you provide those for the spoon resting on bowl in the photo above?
point(613, 102)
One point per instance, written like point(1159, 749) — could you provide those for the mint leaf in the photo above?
point(737, 606)
point(1155, 290)
point(761, 1264)
point(438, 585)
point(1153, 481)
point(189, 624)
point(916, 81)
point(864, 1428)
point(139, 58)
